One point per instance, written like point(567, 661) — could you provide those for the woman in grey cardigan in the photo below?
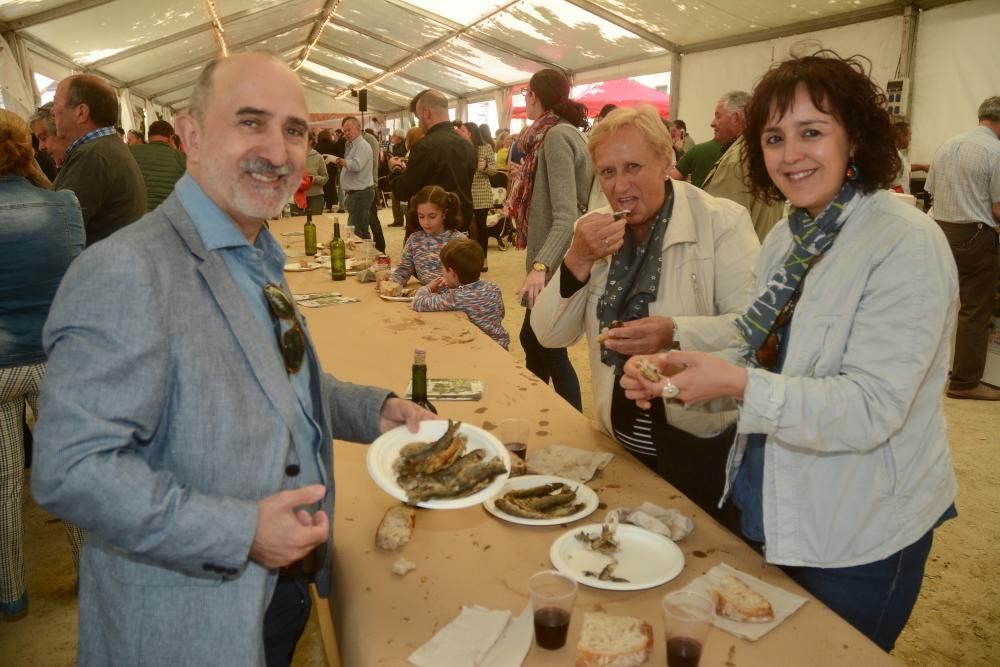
point(549, 193)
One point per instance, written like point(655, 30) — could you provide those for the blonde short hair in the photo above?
point(645, 120)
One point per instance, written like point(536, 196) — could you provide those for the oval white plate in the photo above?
point(395, 298)
point(385, 450)
point(584, 494)
point(646, 559)
point(310, 266)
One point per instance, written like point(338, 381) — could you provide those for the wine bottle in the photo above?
point(310, 235)
point(419, 380)
point(338, 254)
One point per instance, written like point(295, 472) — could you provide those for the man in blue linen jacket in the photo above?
point(193, 449)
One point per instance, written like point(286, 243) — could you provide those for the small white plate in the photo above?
point(584, 494)
point(394, 298)
point(385, 450)
point(646, 559)
point(296, 266)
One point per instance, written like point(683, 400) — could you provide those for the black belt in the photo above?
point(351, 192)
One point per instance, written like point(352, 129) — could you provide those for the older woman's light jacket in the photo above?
point(709, 254)
point(856, 465)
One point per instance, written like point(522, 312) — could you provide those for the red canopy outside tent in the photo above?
point(622, 92)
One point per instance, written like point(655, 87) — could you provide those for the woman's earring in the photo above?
point(853, 172)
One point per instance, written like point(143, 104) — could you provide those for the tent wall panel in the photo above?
point(708, 75)
point(957, 67)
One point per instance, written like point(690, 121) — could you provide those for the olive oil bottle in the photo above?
point(338, 254)
point(419, 380)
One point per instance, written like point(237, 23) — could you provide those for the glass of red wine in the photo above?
point(514, 435)
point(552, 597)
point(686, 619)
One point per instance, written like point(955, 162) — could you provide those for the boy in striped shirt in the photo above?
point(461, 289)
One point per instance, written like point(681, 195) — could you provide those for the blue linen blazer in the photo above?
point(165, 417)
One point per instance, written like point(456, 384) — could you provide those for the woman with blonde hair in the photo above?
point(40, 234)
point(665, 265)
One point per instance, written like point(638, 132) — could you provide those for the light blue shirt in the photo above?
point(252, 267)
point(357, 175)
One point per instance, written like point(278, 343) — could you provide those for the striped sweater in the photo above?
point(422, 256)
point(481, 301)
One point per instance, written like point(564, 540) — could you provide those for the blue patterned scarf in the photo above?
point(812, 237)
point(633, 278)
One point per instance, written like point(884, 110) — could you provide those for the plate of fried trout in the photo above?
point(542, 500)
point(445, 465)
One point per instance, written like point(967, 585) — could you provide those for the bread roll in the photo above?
point(737, 601)
point(395, 528)
point(613, 641)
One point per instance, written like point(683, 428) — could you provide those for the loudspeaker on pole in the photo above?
point(363, 100)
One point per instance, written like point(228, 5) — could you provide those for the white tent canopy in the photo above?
point(476, 48)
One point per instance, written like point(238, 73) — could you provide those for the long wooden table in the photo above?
point(468, 557)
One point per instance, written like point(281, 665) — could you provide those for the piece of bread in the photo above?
point(403, 566)
point(613, 641)
point(648, 370)
point(395, 528)
point(738, 602)
point(390, 288)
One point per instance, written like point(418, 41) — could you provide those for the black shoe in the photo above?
point(395, 224)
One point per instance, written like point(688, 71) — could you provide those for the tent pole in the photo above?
point(675, 85)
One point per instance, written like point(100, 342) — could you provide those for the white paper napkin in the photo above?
point(578, 465)
point(669, 522)
point(515, 642)
point(473, 638)
point(784, 603)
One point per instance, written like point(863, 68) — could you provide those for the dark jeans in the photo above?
point(285, 618)
point(876, 598)
point(359, 203)
point(397, 211)
point(376, 227)
point(974, 246)
point(482, 231)
point(550, 364)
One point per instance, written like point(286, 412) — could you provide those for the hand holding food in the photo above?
point(597, 235)
point(647, 335)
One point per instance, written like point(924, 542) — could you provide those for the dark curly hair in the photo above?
point(447, 202)
point(840, 87)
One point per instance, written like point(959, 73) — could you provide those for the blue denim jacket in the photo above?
point(40, 234)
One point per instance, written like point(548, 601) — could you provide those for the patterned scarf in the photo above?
point(530, 143)
point(812, 237)
point(633, 279)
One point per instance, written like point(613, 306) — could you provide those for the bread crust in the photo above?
point(632, 656)
point(735, 600)
point(395, 528)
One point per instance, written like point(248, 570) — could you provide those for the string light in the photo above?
point(319, 33)
point(217, 25)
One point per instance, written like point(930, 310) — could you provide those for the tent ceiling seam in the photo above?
point(59, 12)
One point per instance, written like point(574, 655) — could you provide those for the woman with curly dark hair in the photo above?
point(841, 466)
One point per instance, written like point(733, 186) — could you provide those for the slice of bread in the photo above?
point(737, 601)
point(613, 641)
point(395, 528)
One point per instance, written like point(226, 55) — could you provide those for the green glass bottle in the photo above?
point(338, 254)
point(310, 235)
point(419, 380)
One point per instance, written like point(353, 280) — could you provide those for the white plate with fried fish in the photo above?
point(479, 448)
point(553, 501)
point(643, 559)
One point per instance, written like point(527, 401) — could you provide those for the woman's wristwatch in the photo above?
point(539, 266)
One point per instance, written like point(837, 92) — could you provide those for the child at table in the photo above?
point(461, 289)
point(437, 212)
